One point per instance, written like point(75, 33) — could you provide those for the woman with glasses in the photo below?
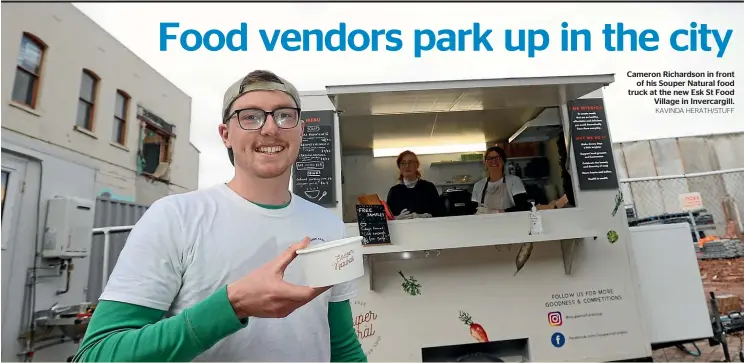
point(499, 192)
point(413, 197)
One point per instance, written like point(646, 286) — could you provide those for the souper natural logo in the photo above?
point(343, 259)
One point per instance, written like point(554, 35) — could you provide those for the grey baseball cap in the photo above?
point(249, 83)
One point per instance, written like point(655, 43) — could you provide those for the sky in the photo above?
point(205, 75)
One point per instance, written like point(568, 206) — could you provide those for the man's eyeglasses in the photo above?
point(255, 118)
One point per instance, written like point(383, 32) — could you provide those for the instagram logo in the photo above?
point(555, 318)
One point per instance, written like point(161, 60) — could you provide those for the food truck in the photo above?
point(581, 286)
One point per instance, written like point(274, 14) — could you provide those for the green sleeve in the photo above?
point(121, 332)
point(345, 345)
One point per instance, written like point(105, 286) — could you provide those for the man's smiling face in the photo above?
point(268, 152)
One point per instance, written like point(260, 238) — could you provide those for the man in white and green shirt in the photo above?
point(208, 275)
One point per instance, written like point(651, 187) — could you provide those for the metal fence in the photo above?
point(109, 213)
point(722, 194)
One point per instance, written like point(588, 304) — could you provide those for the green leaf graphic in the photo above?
point(612, 236)
point(410, 285)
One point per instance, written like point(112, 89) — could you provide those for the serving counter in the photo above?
point(569, 226)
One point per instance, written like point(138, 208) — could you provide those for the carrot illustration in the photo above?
point(476, 330)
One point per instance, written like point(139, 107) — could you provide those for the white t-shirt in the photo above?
point(513, 184)
point(189, 245)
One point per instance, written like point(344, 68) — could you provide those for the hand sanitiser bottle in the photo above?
point(536, 220)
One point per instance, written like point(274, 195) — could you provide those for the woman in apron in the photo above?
point(499, 192)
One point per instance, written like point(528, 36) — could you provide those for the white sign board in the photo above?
point(674, 289)
point(690, 201)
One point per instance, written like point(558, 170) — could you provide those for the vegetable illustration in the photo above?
point(612, 236)
point(618, 202)
point(476, 330)
point(410, 285)
point(523, 255)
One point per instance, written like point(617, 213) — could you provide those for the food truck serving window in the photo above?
point(443, 149)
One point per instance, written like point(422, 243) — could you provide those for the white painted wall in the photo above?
point(481, 282)
point(674, 290)
point(75, 42)
point(47, 175)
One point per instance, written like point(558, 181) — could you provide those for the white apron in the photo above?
point(496, 198)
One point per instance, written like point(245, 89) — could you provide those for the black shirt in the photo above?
point(422, 198)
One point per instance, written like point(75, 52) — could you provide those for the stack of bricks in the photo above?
point(723, 248)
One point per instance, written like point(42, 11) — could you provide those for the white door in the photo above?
point(13, 181)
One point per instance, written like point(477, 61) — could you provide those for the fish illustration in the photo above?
point(523, 255)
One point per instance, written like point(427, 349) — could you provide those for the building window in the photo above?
point(119, 133)
point(28, 70)
point(155, 151)
point(156, 141)
point(87, 101)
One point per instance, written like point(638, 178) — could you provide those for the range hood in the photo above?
point(543, 127)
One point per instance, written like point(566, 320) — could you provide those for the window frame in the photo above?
point(14, 189)
point(165, 147)
point(92, 116)
point(6, 176)
point(36, 76)
point(127, 99)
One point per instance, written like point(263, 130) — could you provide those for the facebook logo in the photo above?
point(558, 340)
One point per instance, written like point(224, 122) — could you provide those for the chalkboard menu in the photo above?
point(591, 143)
point(313, 174)
point(373, 224)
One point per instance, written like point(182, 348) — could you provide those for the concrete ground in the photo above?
point(708, 353)
point(724, 277)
